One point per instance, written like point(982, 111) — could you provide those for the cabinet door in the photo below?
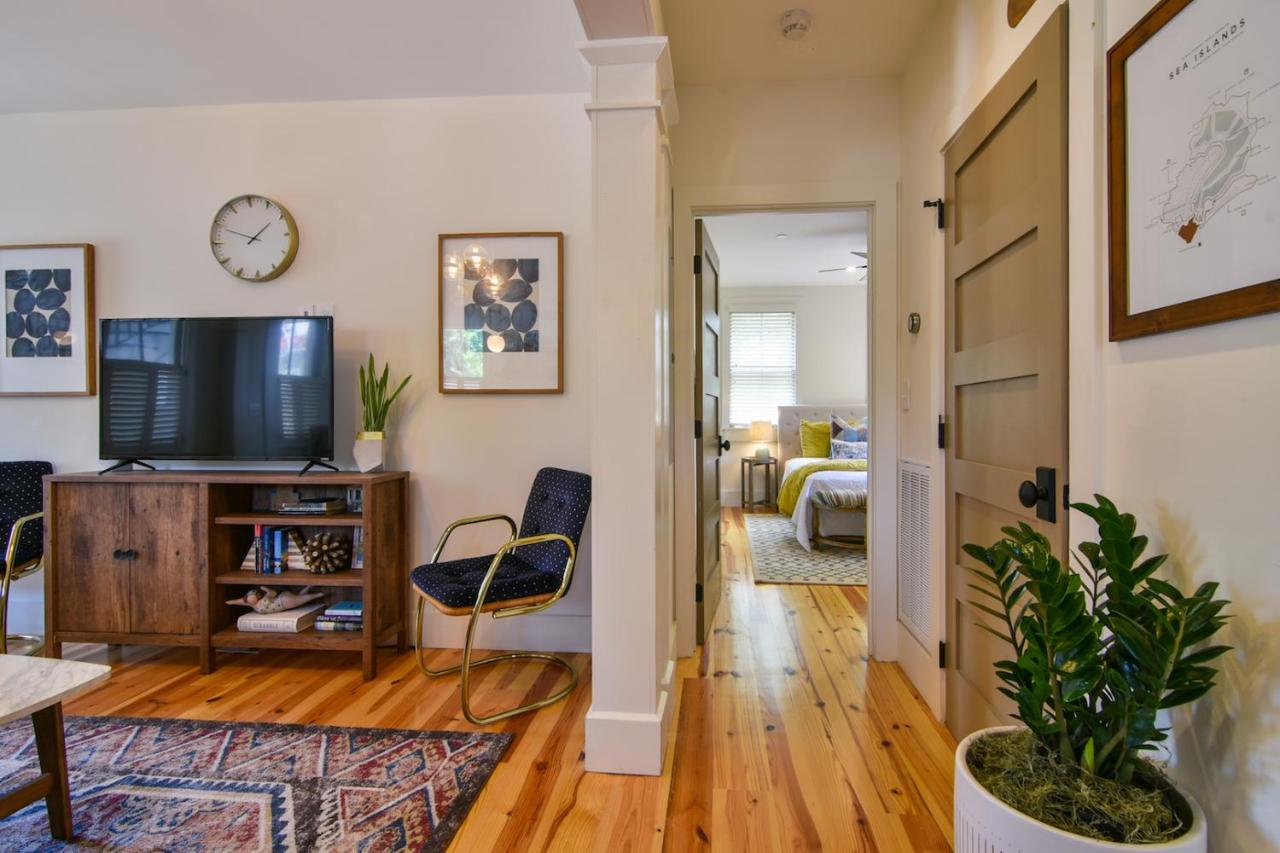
point(164, 532)
point(91, 523)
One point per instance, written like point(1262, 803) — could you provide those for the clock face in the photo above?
point(254, 238)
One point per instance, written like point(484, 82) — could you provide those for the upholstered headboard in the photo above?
point(789, 418)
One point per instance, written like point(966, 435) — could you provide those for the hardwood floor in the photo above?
point(793, 740)
point(788, 738)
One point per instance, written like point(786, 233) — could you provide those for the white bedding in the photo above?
point(832, 523)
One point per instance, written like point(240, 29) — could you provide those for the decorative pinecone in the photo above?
point(326, 553)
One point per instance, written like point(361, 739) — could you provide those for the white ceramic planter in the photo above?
point(984, 824)
point(370, 451)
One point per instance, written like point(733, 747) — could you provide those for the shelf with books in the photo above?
point(284, 519)
point(310, 638)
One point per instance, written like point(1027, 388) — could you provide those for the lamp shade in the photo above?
point(761, 431)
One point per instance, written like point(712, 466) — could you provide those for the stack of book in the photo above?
point(291, 621)
point(314, 506)
point(274, 550)
point(341, 616)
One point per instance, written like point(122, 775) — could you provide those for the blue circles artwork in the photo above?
point(502, 315)
point(37, 319)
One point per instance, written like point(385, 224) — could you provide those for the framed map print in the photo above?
point(49, 326)
point(1194, 166)
point(502, 313)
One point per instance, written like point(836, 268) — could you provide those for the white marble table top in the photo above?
point(28, 684)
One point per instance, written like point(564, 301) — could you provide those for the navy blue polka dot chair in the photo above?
point(22, 531)
point(530, 572)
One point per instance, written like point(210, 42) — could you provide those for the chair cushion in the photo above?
point(22, 493)
point(558, 503)
point(456, 583)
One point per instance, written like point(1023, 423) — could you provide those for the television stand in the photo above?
point(316, 463)
point(125, 463)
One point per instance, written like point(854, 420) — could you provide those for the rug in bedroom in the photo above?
point(183, 785)
point(779, 558)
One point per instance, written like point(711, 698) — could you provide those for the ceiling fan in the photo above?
point(853, 267)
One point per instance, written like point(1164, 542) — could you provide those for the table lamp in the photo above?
point(762, 431)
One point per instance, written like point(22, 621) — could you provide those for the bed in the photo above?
point(831, 523)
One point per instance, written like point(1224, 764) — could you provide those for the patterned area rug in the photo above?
point(186, 785)
point(779, 558)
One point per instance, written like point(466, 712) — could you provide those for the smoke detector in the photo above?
point(795, 23)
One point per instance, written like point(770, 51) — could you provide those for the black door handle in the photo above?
point(724, 443)
point(1039, 494)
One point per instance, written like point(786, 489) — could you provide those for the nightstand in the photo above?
point(749, 465)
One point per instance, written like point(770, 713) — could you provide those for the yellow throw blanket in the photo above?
point(791, 487)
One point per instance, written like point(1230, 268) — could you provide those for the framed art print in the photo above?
point(48, 318)
point(1193, 143)
point(502, 313)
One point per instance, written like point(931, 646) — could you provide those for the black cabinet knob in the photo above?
point(118, 554)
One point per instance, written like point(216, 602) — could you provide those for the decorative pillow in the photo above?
point(848, 449)
point(815, 439)
point(841, 429)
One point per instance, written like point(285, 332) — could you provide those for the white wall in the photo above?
point(827, 143)
point(831, 359)
point(370, 183)
point(1177, 428)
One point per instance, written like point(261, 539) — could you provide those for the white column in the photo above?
point(631, 523)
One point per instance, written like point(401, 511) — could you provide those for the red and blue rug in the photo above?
point(188, 785)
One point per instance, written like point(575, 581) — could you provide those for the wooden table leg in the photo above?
point(52, 748)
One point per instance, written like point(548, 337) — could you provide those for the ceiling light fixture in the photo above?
point(780, 236)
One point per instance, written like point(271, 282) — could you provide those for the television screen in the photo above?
point(217, 388)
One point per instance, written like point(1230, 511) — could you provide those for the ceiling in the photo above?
point(752, 255)
point(717, 42)
point(92, 54)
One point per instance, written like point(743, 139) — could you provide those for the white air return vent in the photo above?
point(915, 585)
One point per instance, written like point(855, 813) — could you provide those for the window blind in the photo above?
point(762, 365)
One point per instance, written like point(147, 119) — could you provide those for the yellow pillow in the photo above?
point(815, 438)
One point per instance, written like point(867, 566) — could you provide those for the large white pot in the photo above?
point(984, 824)
point(370, 451)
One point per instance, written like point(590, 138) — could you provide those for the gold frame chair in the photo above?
point(11, 574)
point(499, 610)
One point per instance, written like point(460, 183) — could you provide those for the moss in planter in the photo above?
point(1015, 768)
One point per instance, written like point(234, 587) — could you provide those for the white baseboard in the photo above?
point(621, 742)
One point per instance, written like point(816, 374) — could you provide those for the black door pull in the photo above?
point(1039, 494)
point(724, 443)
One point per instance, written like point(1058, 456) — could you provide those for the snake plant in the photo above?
point(373, 395)
point(1099, 652)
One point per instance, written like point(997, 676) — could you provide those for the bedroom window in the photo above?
point(762, 365)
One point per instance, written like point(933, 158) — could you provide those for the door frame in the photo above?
point(880, 197)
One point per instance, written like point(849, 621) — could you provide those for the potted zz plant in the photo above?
point(370, 450)
point(1097, 654)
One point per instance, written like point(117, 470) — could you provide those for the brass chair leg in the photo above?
point(36, 641)
point(468, 664)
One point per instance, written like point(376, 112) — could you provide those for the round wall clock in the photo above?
point(254, 238)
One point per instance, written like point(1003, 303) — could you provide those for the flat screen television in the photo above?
point(216, 388)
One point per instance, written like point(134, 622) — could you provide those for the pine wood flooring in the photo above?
point(788, 737)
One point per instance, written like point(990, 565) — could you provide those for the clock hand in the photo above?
point(238, 234)
point(260, 230)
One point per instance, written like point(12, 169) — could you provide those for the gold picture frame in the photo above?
point(507, 336)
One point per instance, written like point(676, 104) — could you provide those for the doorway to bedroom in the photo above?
point(782, 400)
